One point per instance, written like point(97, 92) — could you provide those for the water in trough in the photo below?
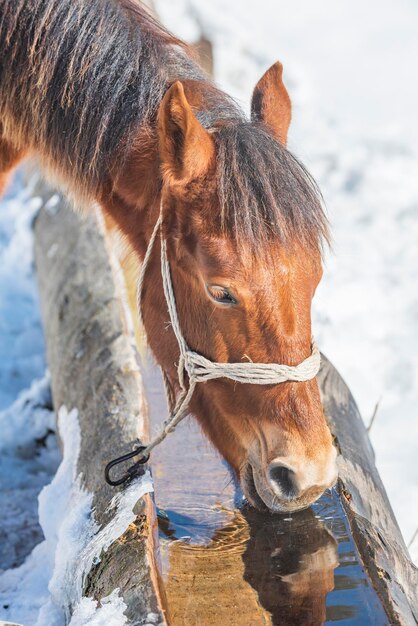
point(226, 564)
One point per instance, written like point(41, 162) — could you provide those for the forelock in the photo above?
point(264, 191)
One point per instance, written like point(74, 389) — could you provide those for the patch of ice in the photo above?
point(108, 613)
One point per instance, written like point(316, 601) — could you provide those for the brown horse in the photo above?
point(117, 110)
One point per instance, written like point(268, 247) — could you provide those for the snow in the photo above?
point(349, 67)
point(26, 588)
point(28, 452)
point(109, 614)
point(74, 539)
point(28, 459)
point(21, 341)
point(48, 543)
point(46, 590)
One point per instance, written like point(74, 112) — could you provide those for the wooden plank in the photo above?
point(92, 359)
point(372, 521)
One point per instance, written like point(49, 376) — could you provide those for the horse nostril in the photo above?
point(284, 479)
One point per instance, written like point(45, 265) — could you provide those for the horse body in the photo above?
point(117, 110)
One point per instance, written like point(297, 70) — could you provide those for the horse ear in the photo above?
point(186, 148)
point(271, 103)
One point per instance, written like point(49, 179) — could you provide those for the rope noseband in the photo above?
point(198, 368)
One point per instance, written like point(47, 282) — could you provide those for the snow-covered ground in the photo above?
point(49, 583)
point(48, 539)
point(350, 68)
point(28, 451)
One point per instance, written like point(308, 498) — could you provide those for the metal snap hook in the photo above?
point(133, 471)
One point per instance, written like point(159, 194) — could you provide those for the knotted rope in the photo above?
point(200, 369)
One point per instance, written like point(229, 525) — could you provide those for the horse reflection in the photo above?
point(290, 562)
point(280, 572)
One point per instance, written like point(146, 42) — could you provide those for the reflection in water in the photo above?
point(291, 566)
point(226, 566)
point(289, 563)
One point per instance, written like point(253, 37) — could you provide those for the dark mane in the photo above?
point(149, 24)
point(265, 191)
point(79, 78)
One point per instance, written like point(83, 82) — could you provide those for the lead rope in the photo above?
point(198, 368)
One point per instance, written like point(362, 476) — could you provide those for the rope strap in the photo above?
point(201, 369)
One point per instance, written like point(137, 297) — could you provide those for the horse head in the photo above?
point(244, 227)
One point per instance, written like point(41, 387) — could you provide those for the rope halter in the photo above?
point(198, 368)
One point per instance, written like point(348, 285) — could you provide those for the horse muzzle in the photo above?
point(287, 485)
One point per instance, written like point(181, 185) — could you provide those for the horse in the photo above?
point(117, 110)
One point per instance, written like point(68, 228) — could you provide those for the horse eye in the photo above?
point(220, 294)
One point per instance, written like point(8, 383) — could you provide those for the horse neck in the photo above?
point(132, 198)
point(91, 120)
point(79, 80)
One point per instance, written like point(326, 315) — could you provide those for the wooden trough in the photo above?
point(94, 368)
point(92, 360)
